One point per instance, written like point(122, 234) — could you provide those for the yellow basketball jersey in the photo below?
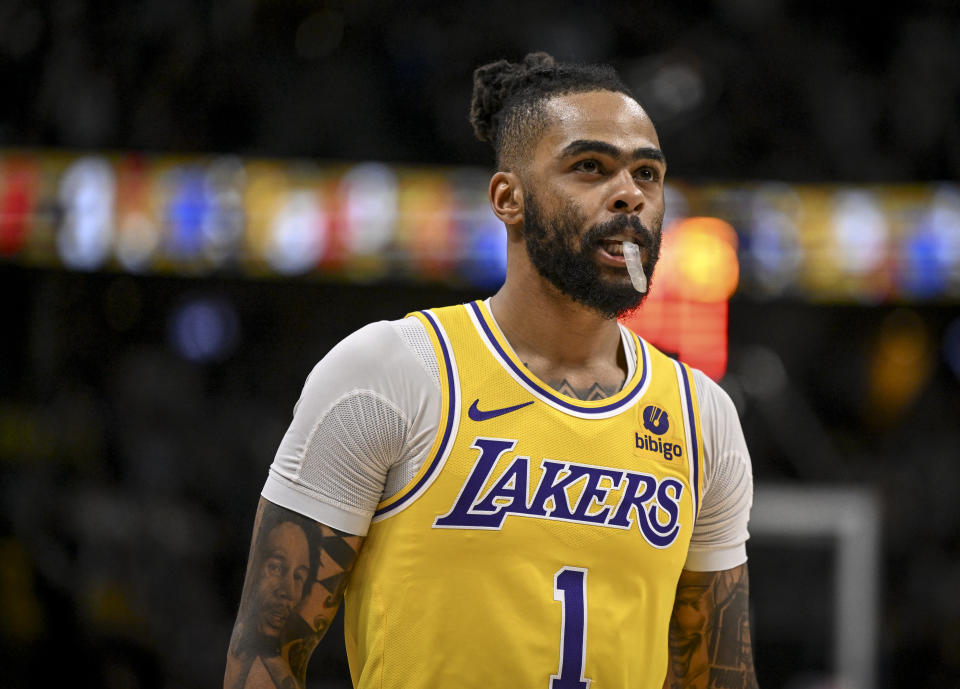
point(540, 544)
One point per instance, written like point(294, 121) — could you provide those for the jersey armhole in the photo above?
point(446, 428)
point(694, 432)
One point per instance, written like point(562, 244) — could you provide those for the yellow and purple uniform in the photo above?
point(540, 544)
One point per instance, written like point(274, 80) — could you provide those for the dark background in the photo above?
point(130, 473)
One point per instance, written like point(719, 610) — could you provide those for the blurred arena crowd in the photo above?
point(742, 89)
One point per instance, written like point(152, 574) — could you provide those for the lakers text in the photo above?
point(565, 491)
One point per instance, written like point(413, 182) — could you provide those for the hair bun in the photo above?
point(494, 83)
point(534, 61)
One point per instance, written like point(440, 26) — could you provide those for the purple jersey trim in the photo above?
point(693, 441)
point(549, 394)
point(451, 408)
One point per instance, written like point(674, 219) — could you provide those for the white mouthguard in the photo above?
point(631, 253)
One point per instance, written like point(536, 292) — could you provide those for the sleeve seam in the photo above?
point(416, 355)
point(315, 495)
point(350, 394)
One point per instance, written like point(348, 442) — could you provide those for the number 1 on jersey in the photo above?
point(570, 588)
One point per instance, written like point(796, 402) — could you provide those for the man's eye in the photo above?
point(591, 166)
point(647, 174)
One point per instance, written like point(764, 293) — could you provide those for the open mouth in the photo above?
point(612, 251)
point(612, 247)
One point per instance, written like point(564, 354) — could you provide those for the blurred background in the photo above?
point(198, 200)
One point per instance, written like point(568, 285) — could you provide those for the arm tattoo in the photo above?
point(296, 575)
point(710, 645)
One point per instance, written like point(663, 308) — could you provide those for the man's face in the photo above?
point(596, 179)
point(280, 580)
point(564, 251)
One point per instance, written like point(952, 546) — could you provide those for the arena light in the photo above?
point(18, 182)
point(485, 257)
point(860, 232)
point(85, 237)
point(201, 226)
point(480, 235)
point(299, 233)
point(369, 196)
point(204, 329)
point(924, 273)
point(773, 253)
point(139, 234)
point(686, 313)
point(223, 224)
point(944, 221)
point(900, 365)
point(704, 259)
point(138, 238)
point(696, 332)
point(196, 214)
point(425, 220)
point(266, 190)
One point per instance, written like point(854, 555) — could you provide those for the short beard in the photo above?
point(576, 273)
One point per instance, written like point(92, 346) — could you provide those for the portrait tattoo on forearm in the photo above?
point(710, 645)
point(296, 575)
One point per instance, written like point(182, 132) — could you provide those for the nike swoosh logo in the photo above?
point(477, 415)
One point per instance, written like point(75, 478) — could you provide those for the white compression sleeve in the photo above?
point(366, 416)
point(720, 533)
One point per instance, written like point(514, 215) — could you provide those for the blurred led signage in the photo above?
point(18, 184)
point(686, 312)
point(367, 221)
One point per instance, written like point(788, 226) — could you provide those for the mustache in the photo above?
point(622, 224)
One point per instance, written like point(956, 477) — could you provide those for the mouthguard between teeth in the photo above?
point(631, 253)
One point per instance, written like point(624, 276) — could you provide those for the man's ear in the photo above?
point(506, 198)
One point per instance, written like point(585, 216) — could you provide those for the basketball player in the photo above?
point(519, 492)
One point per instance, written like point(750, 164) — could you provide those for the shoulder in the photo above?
point(722, 434)
point(715, 404)
point(372, 344)
point(381, 357)
point(721, 527)
point(383, 348)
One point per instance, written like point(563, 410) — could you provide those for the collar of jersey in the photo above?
point(493, 338)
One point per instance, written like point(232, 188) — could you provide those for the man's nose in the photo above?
point(625, 196)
